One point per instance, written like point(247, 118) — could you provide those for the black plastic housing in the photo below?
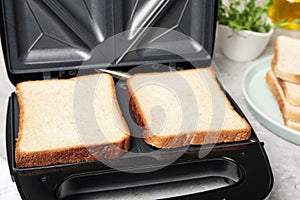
point(244, 164)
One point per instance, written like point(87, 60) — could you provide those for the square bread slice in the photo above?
point(290, 113)
point(185, 107)
point(291, 92)
point(286, 62)
point(71, 120)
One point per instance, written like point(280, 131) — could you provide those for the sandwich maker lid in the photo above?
point(60, 35)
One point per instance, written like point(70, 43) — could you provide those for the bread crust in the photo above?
point(292, 125)
point(70, 154)
point(184, 139)
point(275, 88)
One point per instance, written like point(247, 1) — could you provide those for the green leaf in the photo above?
point(245, 15)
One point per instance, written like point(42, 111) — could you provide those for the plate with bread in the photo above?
point(272, 89)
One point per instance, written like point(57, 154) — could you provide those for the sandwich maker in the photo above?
point(54, 39)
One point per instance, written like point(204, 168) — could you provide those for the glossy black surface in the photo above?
point(244, 163)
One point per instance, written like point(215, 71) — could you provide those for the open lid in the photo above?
point(42, 36)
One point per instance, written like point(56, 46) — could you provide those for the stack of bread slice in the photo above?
point(284, 79)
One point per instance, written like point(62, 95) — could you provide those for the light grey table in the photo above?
point(284, 156)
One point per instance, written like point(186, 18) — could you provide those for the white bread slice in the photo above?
point(286, 62)
point(292, 125)
point(291, 92)
point(50, 133)
point(290, 113)
point(181, 108)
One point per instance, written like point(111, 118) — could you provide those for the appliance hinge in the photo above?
point(48, 76)
point(172, 66)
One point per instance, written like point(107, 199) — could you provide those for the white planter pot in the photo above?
point(242, 45)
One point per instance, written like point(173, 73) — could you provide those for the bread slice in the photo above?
point(181, 108)
point(286, 62)
point(291, 92)
point(292, 125)
point(72, 120)
point(289, 112)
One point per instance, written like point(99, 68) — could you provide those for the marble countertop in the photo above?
point(283, 155)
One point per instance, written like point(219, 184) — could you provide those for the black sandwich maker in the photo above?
point(53, 39)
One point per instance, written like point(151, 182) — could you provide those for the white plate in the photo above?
point(262, 103)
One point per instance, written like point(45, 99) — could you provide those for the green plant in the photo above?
point(246, 15)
